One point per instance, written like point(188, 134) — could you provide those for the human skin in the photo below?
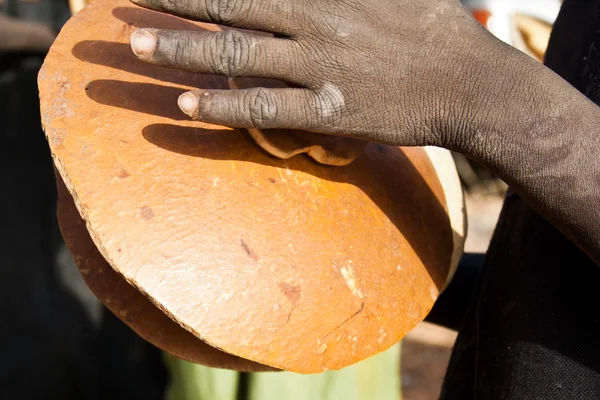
point(404, 72)
point(19, 35)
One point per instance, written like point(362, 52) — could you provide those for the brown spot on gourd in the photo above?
point(122, 173)
point(248, 250)
point(147, 213)
point(292, 292)
point(272, 180)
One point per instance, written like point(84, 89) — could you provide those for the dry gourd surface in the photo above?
point(287, 263)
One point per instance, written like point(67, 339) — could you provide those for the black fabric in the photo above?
point(532, 329)
point(450, 308)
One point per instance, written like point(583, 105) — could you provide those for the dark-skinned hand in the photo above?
point(361, 71)
point(400, 72)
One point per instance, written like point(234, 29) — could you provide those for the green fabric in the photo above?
point(377, 378)
point(196, 382)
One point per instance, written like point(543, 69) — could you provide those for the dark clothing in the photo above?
point(532, 328)
point(449, 309)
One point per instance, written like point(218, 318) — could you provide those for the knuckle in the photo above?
point(329, 105)
point(335, 19)
point(262, 107)
point(226, 12)
point(233, 55)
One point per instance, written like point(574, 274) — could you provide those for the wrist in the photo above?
point(500, 93)
point(529, 116)
point(544, 144)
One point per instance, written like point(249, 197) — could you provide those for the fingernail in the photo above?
point(143, 42)
point(188, 103)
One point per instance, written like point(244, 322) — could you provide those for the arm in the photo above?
point(18, 35)
point(402, 73)
point(542, 137)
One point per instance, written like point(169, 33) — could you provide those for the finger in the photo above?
point(264, 15)
point(262, 108)
point(229, 53)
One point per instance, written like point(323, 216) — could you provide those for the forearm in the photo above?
point(18, 35)
point(542, 137)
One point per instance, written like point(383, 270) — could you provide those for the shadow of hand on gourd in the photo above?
point(384, 173)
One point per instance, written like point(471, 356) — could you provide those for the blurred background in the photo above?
point(57, 340)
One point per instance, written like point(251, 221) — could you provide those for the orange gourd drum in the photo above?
point(213, 249)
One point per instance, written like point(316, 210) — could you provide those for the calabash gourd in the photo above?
point(215, 250)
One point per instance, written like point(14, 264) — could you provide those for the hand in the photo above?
point(402, 72)
point(398, 72)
